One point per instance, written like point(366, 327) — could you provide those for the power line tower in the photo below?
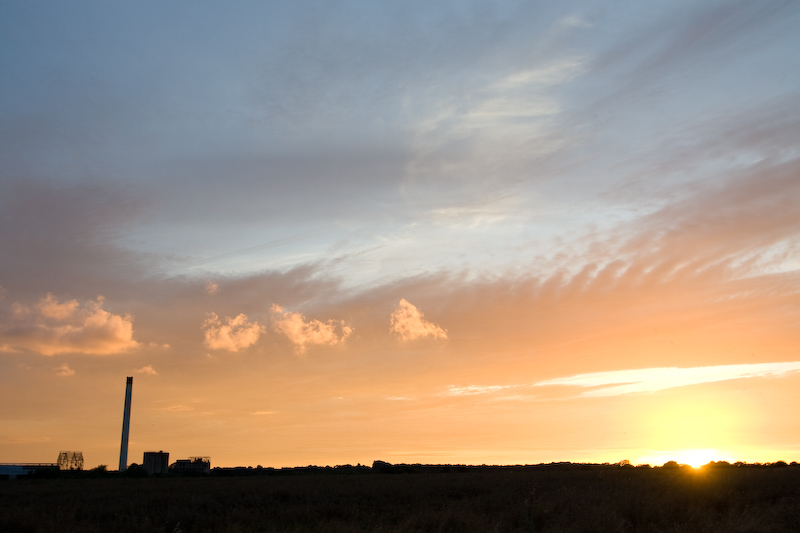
point(70, 461)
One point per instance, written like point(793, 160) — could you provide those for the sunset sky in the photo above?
point(438, 232)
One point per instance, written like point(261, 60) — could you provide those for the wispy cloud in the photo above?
point(302, 332)
point(231, 334)
point(616, 382)
point(211, 287)
point(553, 74)
point(51, 327)
point(469, 390)
point(408, 323)
point(178, 408)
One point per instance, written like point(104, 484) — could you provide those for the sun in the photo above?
point(690, 427)
point(694, 457)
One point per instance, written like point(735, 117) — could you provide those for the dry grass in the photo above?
point(554, 498)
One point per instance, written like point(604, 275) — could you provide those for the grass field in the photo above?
point(556, 498)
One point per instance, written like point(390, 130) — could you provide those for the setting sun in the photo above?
point(694, 458)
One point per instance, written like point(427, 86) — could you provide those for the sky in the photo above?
point(321, 233)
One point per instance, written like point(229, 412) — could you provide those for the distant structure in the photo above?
point(66, 461)
point(199, 465)
point(156, 462)
point(70, 461)
point(126, 425)
point(14, 470)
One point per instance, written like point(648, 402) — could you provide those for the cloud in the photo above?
point(618, 382)
point(574, 21)
point(149, 370)
point(301, 333)
point(233, 334)
point(178, 408)
point(52, 327)
point(263, 413)
point(469, 390)
point(211, 287)
point(50, 307)
point(553, 74)
point(65, 371)
point(409, 323)
point(72, 235)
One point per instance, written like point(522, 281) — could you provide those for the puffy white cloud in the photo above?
point(52, 327)
point(302, 332)
point(49, 307)
point(409, 323)
point(65, 371)
point(232, 334)
point(148, 369)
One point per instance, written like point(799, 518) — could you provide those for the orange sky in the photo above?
point(408, 233)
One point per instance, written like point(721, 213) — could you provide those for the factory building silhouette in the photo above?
point(153, 463)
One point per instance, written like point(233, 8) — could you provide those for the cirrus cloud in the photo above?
point(232, 334)
point(409, 323)
point(470, 390)
point(616, 382)
point(52, 327)
point(301, 332)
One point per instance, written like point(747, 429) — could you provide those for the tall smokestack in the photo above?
point(126, 425)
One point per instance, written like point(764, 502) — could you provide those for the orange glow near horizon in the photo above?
point(696, 458)
point(692, 424)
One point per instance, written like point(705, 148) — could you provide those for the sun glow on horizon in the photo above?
point(696, 458)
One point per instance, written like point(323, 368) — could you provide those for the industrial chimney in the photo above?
point(126, 425)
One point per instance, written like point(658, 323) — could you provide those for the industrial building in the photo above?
point(153, 463)
point(156, 462)
point(199, 465)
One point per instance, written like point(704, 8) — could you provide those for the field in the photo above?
point(558, 498)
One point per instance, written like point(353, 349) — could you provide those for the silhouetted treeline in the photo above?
point(394, 498)
point(383, 467)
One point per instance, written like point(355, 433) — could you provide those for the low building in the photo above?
point(156, 462)
point(14, 470)
point(192, 465)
